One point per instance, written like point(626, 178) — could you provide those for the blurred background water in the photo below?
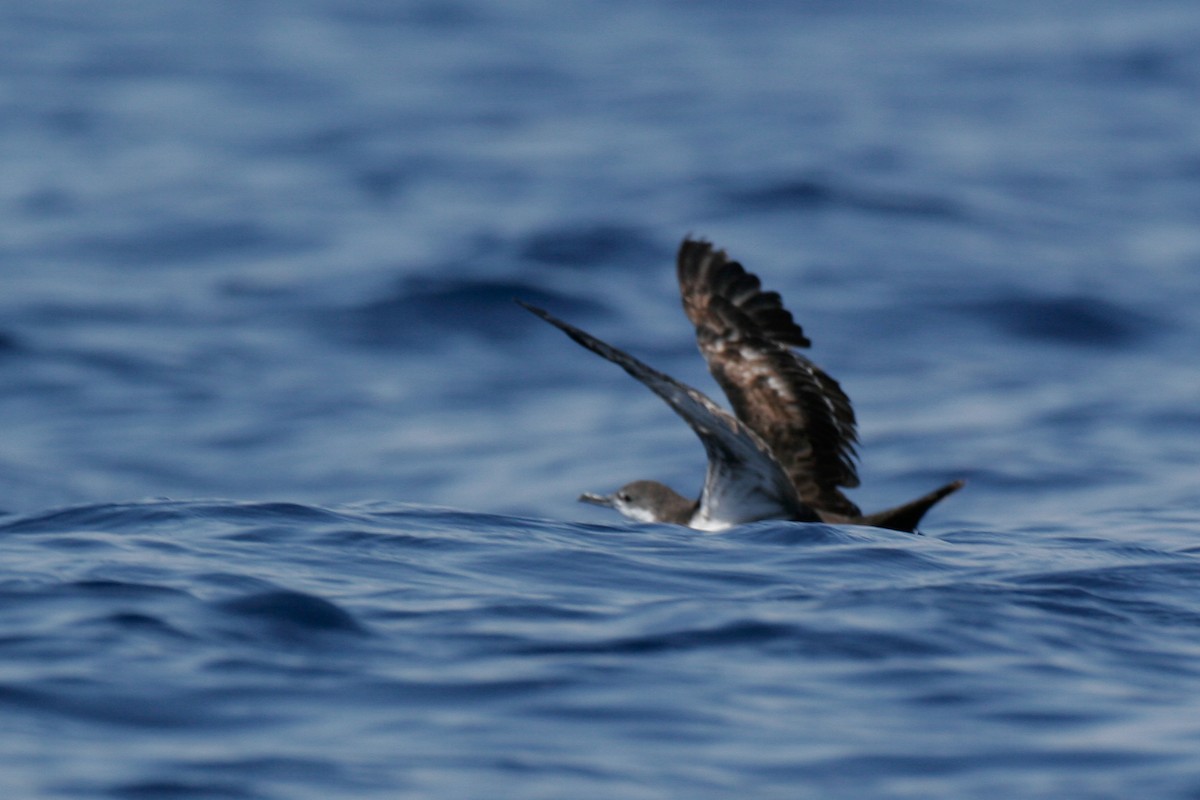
point(288, 480)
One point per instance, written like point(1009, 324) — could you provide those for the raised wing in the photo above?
point(747, 336)
point(743, 483)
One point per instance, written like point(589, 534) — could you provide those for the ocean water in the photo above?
point(288, 481)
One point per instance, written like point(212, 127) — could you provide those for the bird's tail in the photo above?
point(903, 517)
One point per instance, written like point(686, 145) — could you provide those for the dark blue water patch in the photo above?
point(440, 16)
point(70, 122)
point(1146, 63)
point(298, 513)
point(383, 182)
point(333, 142)
point(813, 193)
point(521, 80)
point(82, 314)
point(133, 622)
point(757, 635)
point(384, 542)
point(928, 766)
point(188, 242)
point(741, 633)
point(141, 709)
point(1018, 479)
point(1076, 321)
point(234, 777)
point(1123, 582)
point(292, 615)
point(424, 312)
point(176, 789)
point(1076, 603)
point(97, 517)
point(109, 589)
point(592, 246)
point(71, 528)
point(109, 62)
point(10, 344)
point(47, 203)
point(1081, 418)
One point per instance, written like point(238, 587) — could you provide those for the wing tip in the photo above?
point(710, 282)
point(530, 307)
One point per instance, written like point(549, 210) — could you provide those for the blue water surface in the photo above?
point(287, 480)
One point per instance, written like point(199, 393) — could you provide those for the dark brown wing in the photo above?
point(747, 336)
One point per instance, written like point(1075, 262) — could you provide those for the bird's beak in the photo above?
point(605, 500)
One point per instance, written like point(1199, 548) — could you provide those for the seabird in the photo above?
point(789, 450)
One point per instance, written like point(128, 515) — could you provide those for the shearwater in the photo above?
point(789, 450)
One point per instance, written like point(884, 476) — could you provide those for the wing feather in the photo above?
point(744, 482)
point(747, 337)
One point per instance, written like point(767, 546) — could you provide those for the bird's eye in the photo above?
point(623, 497)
